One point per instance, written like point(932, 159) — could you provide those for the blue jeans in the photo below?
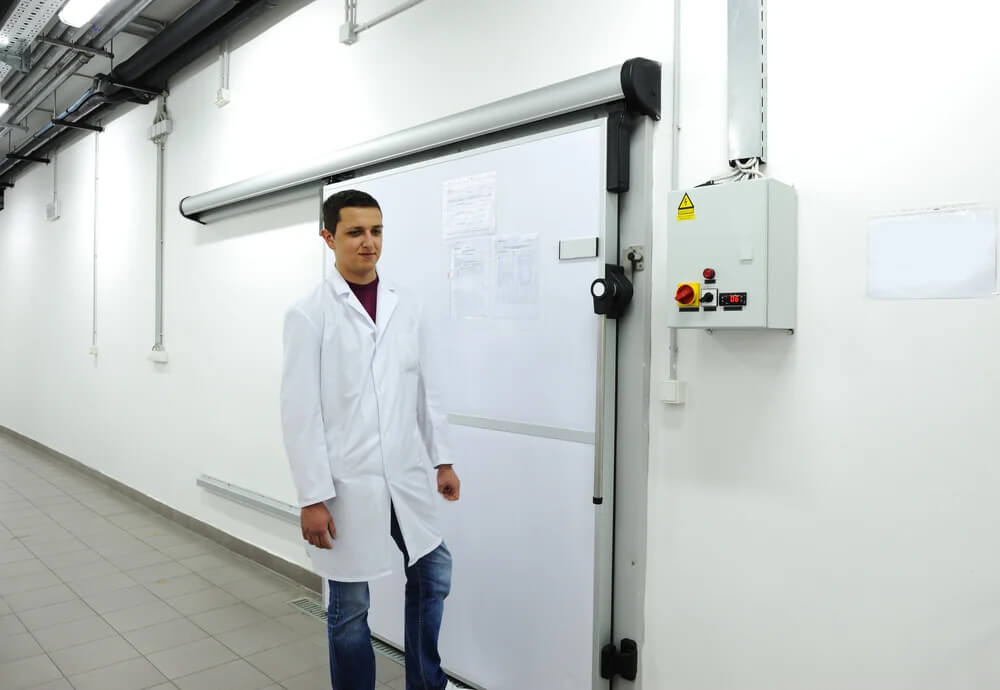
point(352, 660)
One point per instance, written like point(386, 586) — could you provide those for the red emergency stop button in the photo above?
point(685, 294)
point(709, 274)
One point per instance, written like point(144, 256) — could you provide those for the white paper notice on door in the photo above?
point(469, 206)
point(517, 284)
point(948, 253)
point(468, 274)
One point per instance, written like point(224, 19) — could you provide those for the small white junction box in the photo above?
point(732, 256)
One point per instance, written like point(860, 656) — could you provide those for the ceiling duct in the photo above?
point(145, 74)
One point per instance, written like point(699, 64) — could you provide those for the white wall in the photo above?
point(840, 532)
point(296, 93)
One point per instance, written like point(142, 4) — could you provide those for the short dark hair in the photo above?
point(349, 198)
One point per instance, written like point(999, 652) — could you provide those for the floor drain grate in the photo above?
point(389, 652)
point(314, 608)
point(310, 607)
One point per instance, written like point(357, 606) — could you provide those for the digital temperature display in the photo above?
point(733, 299)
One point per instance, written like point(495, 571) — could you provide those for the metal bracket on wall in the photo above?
point(86, 50)
point(350, 29)
point(140, 94)
point(138, 89)
point(28, 159)
point(77, 125)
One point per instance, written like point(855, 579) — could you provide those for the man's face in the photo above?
point(356, 241)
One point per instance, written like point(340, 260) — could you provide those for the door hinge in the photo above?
point(624, 662)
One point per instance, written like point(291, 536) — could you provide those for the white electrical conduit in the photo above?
point(55, 159)
point(158, 343)
point(160, 141)
point(383, 17)
point(97, 150)
point(224, 53)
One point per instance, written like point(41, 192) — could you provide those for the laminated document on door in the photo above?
point(517, 285)
point(469, 206)
point(947, 253)
point(468, 278)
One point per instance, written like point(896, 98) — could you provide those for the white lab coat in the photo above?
point(361, 426)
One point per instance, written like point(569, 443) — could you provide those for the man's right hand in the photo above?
point(317, 526)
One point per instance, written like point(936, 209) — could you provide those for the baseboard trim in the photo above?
point(256, 554)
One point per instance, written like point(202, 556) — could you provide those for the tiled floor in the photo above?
point(99, 593)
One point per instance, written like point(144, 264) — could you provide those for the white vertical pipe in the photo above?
point(160, 146)
point(97, 151)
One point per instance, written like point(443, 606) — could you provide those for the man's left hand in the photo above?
point(448, 483)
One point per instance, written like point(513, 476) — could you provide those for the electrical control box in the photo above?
point(732, 256)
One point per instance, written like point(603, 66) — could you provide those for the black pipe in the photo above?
point(168, 41)
point(247, 10)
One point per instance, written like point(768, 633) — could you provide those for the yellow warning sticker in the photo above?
point(686, 210)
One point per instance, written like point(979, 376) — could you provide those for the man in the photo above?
point(362, 432)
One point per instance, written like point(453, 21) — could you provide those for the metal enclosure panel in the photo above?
point(728, 234)
point(783, 252)
point(747, 80)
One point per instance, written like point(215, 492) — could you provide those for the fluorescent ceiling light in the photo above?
point(79, 12)
point(3, 107)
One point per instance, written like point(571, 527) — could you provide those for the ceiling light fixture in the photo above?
point(79, 12)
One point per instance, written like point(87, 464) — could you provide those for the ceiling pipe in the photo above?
point(245, 12)
point(167, 42)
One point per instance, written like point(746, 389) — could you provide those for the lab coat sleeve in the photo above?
point(302, 412)
point(431, 418)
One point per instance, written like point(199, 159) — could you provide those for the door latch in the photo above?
point(612, 293)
